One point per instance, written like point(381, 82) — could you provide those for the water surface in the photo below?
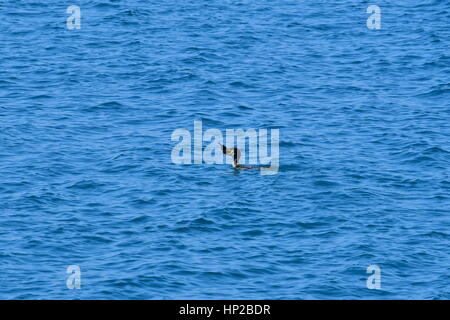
point(85, 171)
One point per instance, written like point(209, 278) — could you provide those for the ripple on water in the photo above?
point(85, 150)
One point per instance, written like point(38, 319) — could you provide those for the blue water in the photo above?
point(86, 177)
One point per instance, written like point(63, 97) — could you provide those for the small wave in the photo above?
point(326, 183)
point(436, 91)
point(245, 108)
point(86, 184)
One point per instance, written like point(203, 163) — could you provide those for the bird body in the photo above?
point(235, 153)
